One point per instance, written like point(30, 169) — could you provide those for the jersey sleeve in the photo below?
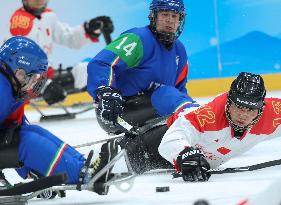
point(125, 52)
point(183, 101)
point(182, 73)
point(187, 128)
point(63, 34)
point(182, 79)
point(181, 134)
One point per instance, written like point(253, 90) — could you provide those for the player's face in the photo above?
point(242, 116)
point(36, 4)
point(168, 21)
point(27, 81)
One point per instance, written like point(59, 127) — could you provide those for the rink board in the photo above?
point(196, 88)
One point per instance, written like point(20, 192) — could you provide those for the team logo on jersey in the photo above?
point(21, 23)
point(205, 115)
point(223, 150)
point(153, 86)
point(276, 107)
point(177, 60)
point(276, 122)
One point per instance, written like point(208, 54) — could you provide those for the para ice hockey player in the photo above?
point(31, 148)
point(39, 23)
point(231, 124)
point(142, 75)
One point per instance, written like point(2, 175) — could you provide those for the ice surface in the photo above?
point(219, 190)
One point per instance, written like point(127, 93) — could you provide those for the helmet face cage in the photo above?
point(247, 91)
point(32, 86)
point(237, 127)
point(177, 6)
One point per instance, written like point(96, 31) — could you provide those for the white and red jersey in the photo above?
point(207, 128)
point(47, 30)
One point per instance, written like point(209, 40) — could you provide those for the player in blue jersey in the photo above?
point(143, 74)
point(30, 148)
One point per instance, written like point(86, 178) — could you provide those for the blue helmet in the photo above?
point(21, 52)
point(168, 5)
point(176, 6)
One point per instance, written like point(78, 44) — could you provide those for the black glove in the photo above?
point(53, 93)
point(98, 25)
point(193, 165)
point(9, 136)
point(109, 104)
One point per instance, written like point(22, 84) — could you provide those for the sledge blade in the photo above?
point(33, 186)
point(66, 116)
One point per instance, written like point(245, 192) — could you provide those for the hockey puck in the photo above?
point(201, 202)
point(162, 189)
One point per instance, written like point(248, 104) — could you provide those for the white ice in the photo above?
point(219, 190)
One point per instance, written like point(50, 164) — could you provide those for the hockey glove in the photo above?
point(53, 93)
point(96, 26)
point(109, 104)
point(193, 165)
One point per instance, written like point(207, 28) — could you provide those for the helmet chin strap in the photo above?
point(236, 127)
point(166, 38)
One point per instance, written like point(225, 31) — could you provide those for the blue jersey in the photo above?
point(9, 105)
point(38, 149)
point(136, 62)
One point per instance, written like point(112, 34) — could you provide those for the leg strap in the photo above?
point(9, 158)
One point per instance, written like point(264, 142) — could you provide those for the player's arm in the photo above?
point(185, 100)
point(63, 34)
point(180, 134)
point(182, 78)
point(182, 70)
point(76, 37)
point(123, 53)
point(177, 146)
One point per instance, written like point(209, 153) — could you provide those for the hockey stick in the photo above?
point(33, 186)
point(222, 170)
point(247, 168)
point(121, 122)
point(98, 141)
point(130, 129)
point(64, 116)
point(107, 37)
point(162, 121)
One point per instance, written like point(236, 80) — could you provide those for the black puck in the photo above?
point(162, 189)
point(201, 202)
